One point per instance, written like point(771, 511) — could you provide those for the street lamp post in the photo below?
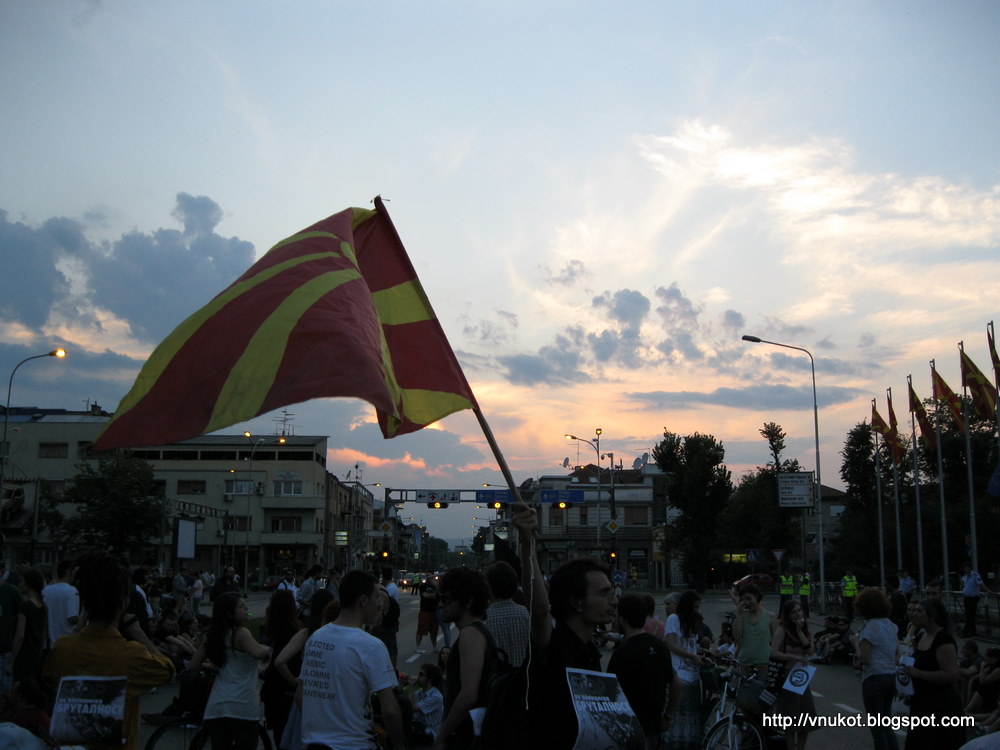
point(596, 445)
point(254, 445)
point(819, 482)
point(6, 413)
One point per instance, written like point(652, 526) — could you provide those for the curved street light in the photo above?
point(819, 483)
point(596, 445)
point(254, 445)
point(60, 353)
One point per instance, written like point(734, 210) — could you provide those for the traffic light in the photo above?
point(436, 505)
point(562, 505)
point(497, 505)
point(385, 554)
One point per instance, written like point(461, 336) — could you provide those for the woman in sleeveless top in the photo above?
point(233, 710)
point(935, 679)
point(792, 645)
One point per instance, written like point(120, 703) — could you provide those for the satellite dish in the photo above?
point(348, 477)
point(637, 463)
point(645, 458)
point(565, 462)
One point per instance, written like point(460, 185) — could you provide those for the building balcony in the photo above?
point(292, 538)
point(292, 502)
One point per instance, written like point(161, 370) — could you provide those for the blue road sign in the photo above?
point(494, 496)
point(753, 555)
point(561, 496)
point(618, 577)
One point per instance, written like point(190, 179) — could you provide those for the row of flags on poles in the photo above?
point(982, 392)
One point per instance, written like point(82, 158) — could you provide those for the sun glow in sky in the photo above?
point(600, 200)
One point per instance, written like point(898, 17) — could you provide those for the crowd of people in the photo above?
point(320, 671)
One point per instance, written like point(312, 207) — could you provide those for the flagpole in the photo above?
point(878, 499)
point(916, 489)
point(974, 552)
point(501, 461)
point(940, 468)
point(895, 485)
point(991, 338)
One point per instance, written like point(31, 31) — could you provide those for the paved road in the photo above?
point(836, 688)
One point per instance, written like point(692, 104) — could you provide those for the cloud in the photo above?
point(154, 281)
point(626, 306)
point(31, 284)
point(558, 363)
point(753, 398)
point(733, 321)
point(568, 275)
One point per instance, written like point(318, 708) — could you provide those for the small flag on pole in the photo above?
point(334, 310)
point(984, 394)
point(942, 392)
point(896, 444)
point(918, 410)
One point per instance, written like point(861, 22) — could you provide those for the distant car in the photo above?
point(761, 580)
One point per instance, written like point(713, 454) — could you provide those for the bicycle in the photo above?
point(189, 733)
point(732, 723)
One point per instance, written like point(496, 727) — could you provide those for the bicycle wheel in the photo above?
point(735, 732)
point(175, 735)
point(200, 740)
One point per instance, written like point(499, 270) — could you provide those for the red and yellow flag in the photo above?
point(984, 394)
point(335, 310)
point(942, 392)
point(896, 444)
point(879, 424)
point(918, 410)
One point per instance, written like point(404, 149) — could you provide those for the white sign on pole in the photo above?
point(795, 489)
point(778, 554)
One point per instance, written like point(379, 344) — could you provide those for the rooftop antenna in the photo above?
point(285, 420)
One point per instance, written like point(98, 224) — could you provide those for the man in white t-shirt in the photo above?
point(341, 666)
point(288, 583)
point(62, 601)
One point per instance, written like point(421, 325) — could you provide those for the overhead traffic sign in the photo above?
point(494, 496)
point(561, 496)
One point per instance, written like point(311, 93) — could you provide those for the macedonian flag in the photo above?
point(335, 310)
point(984, 394)
point(942, 392)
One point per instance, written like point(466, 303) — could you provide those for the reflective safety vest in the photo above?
point(804, 588)
point(787, 583)
point(849, 586)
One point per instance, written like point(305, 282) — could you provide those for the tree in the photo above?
point(698, 484)
point(752, 517)
point(119, 507)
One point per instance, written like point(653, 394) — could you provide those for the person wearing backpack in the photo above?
point(464, 596)
point(385, 630)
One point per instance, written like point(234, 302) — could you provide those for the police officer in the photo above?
point(848, 590)
point(805, 589)
point(786, 587)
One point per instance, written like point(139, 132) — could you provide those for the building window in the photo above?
point(557, 517)
point(636, 516)
point(286, 523)
point(239, 487)
point(583, 515)
point(239, 523)
point(288, 487)
point(53, 450)
point(190, 486)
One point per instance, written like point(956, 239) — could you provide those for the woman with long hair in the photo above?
point(935, 679)
point(233, 710)
point(31, 630)
point(792, 644)
point(876, 650)
point(282, 623)
point(682, 641)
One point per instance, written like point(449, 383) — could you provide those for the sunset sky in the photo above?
point(600, 199)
